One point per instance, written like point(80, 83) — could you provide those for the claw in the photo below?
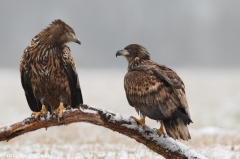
point(59, 111)
point(161, 131)
point(42, 112)
point(140, 121)
point(68, 107)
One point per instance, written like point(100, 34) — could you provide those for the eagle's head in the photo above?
point(58, 32)
point(134, 52)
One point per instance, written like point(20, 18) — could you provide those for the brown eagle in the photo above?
point(48, 72)
point(157, 92)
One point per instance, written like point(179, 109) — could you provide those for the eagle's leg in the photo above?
point(60, 110)
point(43, 111)
point(140, 121)
point(161, 129)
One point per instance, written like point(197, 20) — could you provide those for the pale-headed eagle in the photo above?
point(157, 92)
point(48, 72)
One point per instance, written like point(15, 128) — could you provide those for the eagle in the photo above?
point(157, 92)
point(48, 72)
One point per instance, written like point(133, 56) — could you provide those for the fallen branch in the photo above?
point(162, 145)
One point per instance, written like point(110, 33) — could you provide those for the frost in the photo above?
point(43, 118)
point(9, 128)
point(110, 111)
point(88, 111)
point(49, 116)
point(165, 141)
point(134, 126)
point(70, 110)
point(212, 130)
point(119, 117)
point(212, 136)
point(74, 109)
point(115, 117)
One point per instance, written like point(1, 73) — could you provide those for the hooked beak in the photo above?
point(119, 53)
point(122, 53)
point(78, 41)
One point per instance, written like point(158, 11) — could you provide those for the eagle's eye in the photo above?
point(129, 50)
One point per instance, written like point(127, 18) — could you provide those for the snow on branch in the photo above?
point(163, 145)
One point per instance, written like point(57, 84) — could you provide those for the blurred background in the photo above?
point(200, 40)
point(176, 33)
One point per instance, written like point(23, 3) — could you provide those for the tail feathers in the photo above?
point(176, 129)
point(183, 116)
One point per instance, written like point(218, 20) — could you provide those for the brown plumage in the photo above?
point(156, 91)
point(48, 72)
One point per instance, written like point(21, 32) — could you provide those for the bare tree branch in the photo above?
point(162, 145)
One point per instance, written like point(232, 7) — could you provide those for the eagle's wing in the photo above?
point(70, 68)
point(171, 77)
point(157, 92)
point(26, 84)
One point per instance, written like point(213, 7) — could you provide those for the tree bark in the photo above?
point(163, 145)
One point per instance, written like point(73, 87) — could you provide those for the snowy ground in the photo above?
point(213, 97)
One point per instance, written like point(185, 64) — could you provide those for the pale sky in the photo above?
point(176, 33)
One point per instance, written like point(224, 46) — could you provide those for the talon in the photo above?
point(56, 111)
point(59, 111)
point(161, 131)
point(140, 121)
point(33, 113)
point(36, 114)
point(42, 112)
point(68, 107)
point(61, 108)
